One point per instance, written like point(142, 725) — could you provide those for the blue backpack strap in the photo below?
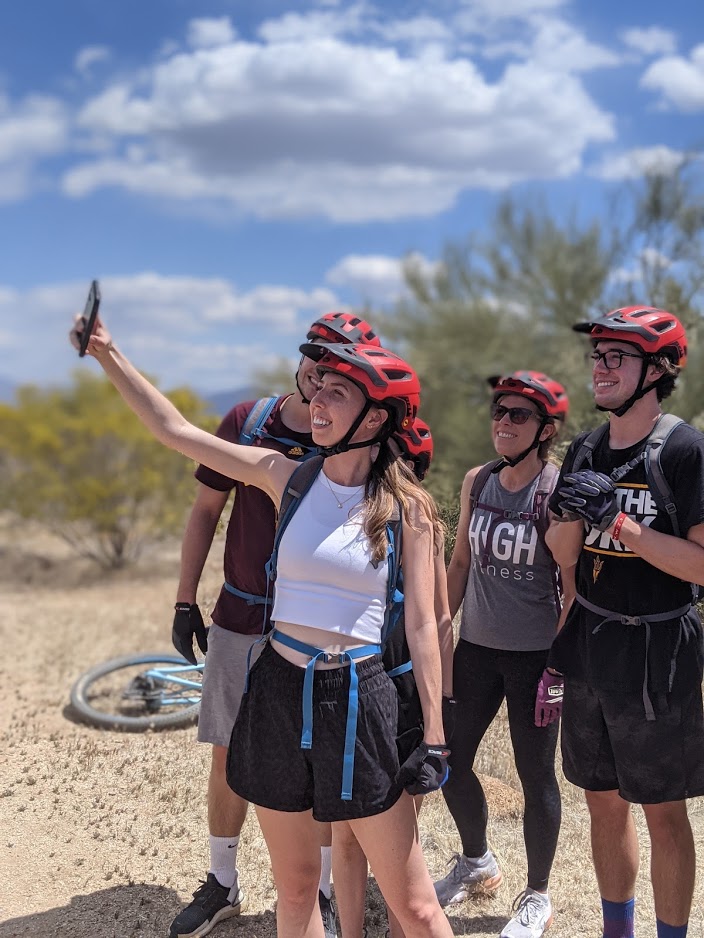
point(319, 654)
point(249, 598)
point(256, 418)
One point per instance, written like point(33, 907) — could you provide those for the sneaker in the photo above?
point(328, 915)
point(211, 904)
point(533, 915)
point(467, 879)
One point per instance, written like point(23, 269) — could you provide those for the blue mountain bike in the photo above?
point(139, 692)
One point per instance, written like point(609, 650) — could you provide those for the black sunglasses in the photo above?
point(517, 415)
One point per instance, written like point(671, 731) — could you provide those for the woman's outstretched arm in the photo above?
point(252, 465)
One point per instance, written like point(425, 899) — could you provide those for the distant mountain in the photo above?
point(222, 401)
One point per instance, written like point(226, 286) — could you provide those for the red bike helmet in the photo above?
point(343, 327)
point(416, 445)
point(547, 393)
point(654, 331)
point(383, 377)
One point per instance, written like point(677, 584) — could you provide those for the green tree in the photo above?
point(79, 461)
point(508, 301)
point(665, 235)
point(493, 306)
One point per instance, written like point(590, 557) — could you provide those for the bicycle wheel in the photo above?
point(139, 692)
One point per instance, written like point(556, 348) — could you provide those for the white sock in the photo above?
point(480, 862)
point(545, 896)
point(223, 860)
point(326, 871)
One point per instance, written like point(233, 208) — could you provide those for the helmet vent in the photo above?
point(394, 374)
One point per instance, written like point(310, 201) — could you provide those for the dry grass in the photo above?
point(104, 835)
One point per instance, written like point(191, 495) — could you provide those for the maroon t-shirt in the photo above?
point(250, 531)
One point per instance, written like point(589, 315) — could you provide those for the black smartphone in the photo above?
point(90, 314)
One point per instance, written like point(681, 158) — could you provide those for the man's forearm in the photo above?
point(674, 555)
point(197, 540)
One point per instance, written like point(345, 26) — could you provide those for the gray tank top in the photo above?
point(510, 598)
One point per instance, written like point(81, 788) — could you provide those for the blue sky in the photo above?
point(229, 169)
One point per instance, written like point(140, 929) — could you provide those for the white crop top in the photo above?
point(325, 578)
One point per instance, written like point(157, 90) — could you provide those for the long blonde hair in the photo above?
point(391, 482)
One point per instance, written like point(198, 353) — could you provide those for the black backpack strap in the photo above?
point(541, 500)
point(302, 477)
point(548, 477)
point(662, 493)
point(588, 445)
point(256, 418)
point(394, 594)
point(480, 480)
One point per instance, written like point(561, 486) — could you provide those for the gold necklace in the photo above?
point(340, 504)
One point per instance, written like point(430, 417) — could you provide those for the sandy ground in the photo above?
point(103, 834)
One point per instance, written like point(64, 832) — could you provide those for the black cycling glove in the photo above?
point(188, 622)
point(426, 769)
point(592, 496)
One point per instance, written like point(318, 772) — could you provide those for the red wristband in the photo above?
point(617, 527)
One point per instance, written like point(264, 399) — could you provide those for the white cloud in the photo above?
point(679, 80)
point(637, 162)
point(648, 260)
point(319, 24)
point(89, 56)
point(210, 33)
point(652, 40)
point(31, 129)
point(353, 132)
point(184, 330)
point(376, 278)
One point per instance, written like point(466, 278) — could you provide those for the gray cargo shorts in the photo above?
point(223, 683)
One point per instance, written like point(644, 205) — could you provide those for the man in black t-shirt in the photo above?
point(631, 648)
point(239, 618)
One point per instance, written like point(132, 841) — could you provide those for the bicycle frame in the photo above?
point(171, 674)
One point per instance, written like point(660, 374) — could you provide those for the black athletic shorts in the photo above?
point(608, 744)
point(265, 762)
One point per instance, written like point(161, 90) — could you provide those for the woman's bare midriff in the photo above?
point(332, 642)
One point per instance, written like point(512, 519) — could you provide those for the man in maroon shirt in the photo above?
point(239, 617)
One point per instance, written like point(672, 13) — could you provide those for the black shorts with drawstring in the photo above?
point(265, 762)
point(608, 744)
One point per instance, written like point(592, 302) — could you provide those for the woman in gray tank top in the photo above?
point(505, 579)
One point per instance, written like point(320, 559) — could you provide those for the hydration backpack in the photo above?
point(302, 478)
point(254, 428)
point(650, 456)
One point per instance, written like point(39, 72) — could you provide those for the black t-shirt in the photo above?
point(250, 531)
point(611, 576)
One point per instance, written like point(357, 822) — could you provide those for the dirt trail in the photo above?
point(103, 835)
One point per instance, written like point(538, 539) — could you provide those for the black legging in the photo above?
point(482, 677)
